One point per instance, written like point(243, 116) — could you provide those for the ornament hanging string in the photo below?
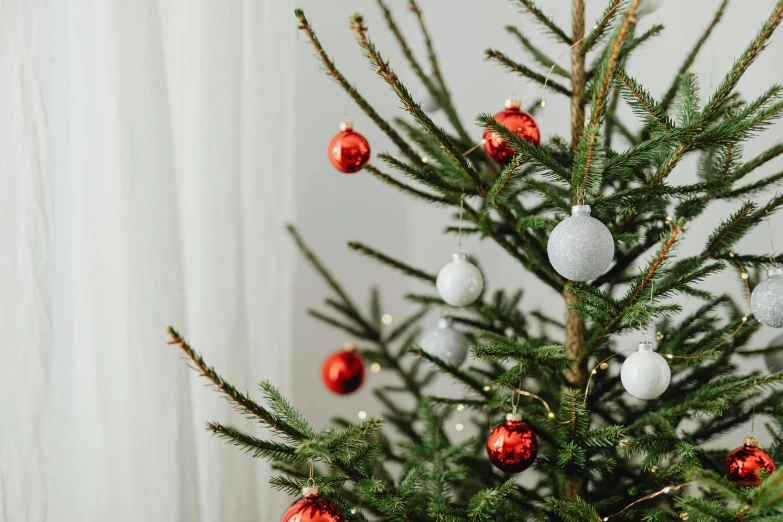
point(771, 240)
point(461, 211)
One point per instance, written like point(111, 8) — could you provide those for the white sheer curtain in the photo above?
point(145, 177)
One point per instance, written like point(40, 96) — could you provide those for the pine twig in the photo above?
point(332, 71)
point(518, 68)
point(544, 20)
point(383, 258)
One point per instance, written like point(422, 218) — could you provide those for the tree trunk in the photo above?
point(574, 326)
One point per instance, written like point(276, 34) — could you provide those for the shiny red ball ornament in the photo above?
point(512, 446)
point(517, 120)
point(343, 371)
point(743, 464)
point(312, 508)
point(349, 150)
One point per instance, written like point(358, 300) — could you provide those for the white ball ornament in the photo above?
point(459, 283)
point(766, 301)
point(775, 360)
point(646, 7)
point(580, 248)
point(645, 373)
point(446, 343)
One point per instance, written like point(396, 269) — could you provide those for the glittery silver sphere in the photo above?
point(646, 7)
point(446, 343)
point(581, 248)
point(775, 360)
point(766, 301)
point(459, 283)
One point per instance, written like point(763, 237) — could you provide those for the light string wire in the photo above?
point(663, 491)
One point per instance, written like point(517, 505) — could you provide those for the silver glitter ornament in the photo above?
point(580, 248)
point(775, 360)
point(766, 301)
point(646, 7)
point(446, 343)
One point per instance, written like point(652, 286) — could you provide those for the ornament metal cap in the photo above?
point(459, 255)
point(580, 209)
point(311, 490)
point(751, 441)
point(349, 347)
point(514, 416)
point(645, 346)
point(775, 271)
point(346, 126)
point(512, 103)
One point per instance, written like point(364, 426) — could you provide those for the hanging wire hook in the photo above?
point(461, 211)
point(771, 241)
point(311, 480)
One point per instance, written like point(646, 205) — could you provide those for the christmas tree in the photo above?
point(597, 434)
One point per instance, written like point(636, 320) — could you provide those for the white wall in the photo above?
point(333, 208)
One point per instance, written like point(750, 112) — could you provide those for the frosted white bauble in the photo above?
point(646, 7)
point(459, 283)
point(645, 374)
point(580, 248)
point(446, 343)
point(766, 301)
point(775, 360)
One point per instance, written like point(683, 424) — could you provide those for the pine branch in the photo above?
point(241, 401)
point(518, 68)
point(269, 450)
point(610, 14)
point(537, 53)
point(469, 380)
point(643, 103)
point(544, 20)
point(686, 66)
point(383, 258)
point(332, 71)
point(406, 188)
point(745, 61)
point(382, 69)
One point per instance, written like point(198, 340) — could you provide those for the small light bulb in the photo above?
point(362, 414)
point(604, 366)
point(594, 372)
point(659, 336)
point(460, 407)
point(731, 254)
point(483, 142)
point(744, 275)
point(424, 159)
point(386, 319)
point(375, 367)
point(745, 319)
point(487, 388)
point(353, 511)
point(551, 415)
point(654, 469)
point(543, 103)
point(667, 489)
point(459, 426)
point(670, 356)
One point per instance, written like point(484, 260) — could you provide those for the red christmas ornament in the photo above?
point(312, 508)
point(512, 446)
point(515, 120)
point(343, 372)
point(349, 150)
point(743, 464)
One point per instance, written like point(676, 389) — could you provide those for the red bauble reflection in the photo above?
point(743, 464)
point(312, 508)
point(348, 151)
point(512, 446)
point(343, 372)
point(515, 120)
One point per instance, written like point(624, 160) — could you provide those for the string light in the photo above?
point(459, 426)
point(664, 491)
point(460, 407)
point(375, 367)
point(386, 319)
point(487, 388)
point(362, 415)
point(424, 159)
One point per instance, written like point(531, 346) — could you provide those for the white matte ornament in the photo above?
point(645, 373)
point(646, 7)
point(446, 343)
point(580, 248)
point(766, 301)
point(459, 283)
point(775, 360)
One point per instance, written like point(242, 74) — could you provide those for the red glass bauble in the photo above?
point(512, 446)
point(312, 508)
point(515, 120)
point(349, 150)
point(743, 464)
point(343, 372)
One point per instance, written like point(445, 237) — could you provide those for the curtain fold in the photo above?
point(146, 178)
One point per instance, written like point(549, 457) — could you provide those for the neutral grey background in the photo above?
point(332, 208)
